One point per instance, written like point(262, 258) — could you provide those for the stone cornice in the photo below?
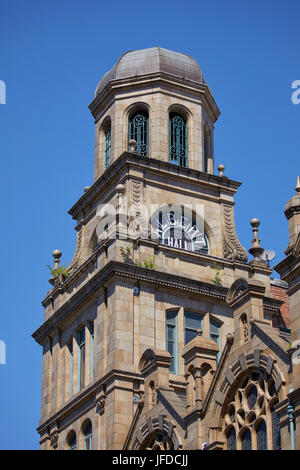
point(136, 273)
point(288, 268)
point(86, 394)
point(271, 304)
point(209, 260)
point(160, 79)
point(136, 161)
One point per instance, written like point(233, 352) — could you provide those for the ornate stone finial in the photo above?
point(221, 169)
point(199, 332)
point(132, 144)
point(256, 250)
point(298, 185)
point(56, 255)
point(86, 188)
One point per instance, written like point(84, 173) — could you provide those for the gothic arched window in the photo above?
point(107, 148)
point(246, 440)
point(251, 413)
point(276, 430)
point(261, 436)
point(138, 129)
point(231, 439)
point(71, 441)
point(87, 436)
point(178, 140)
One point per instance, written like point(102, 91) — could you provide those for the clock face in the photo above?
point(179, 231)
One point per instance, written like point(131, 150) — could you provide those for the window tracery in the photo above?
point(249, 417)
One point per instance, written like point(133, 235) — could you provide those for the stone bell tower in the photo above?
point(124, 363)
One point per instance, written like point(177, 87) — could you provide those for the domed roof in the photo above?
point(293, 205)
point(153, 60)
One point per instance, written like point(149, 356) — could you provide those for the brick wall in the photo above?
point(284, 318)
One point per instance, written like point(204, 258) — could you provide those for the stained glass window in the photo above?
point(178, 140)
point(138, 130)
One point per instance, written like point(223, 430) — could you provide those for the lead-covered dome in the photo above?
point(150, 61)
point(293, 205)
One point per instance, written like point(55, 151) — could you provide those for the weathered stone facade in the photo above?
point(114, 377)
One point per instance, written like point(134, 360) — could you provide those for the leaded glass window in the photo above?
point(138, 130)
point(261, 436)
point(178, 137)
point(252, 397)
point(171, 338)
point(107, 148)
point(246, 440)
point(276, 430)
point(231, 439)
point(192, 323)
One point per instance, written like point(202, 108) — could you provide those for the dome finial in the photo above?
point(221, 169)
point(56, 255)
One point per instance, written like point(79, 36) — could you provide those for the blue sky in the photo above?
point(52, 56)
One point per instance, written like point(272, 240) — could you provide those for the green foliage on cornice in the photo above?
point(127, 258)
point(217, 280)
point(60, 271)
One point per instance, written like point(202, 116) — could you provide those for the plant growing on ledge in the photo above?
point(59, 271)
point(147, 263)
point(150, 263)
point(217, 280)
point(125, 252)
